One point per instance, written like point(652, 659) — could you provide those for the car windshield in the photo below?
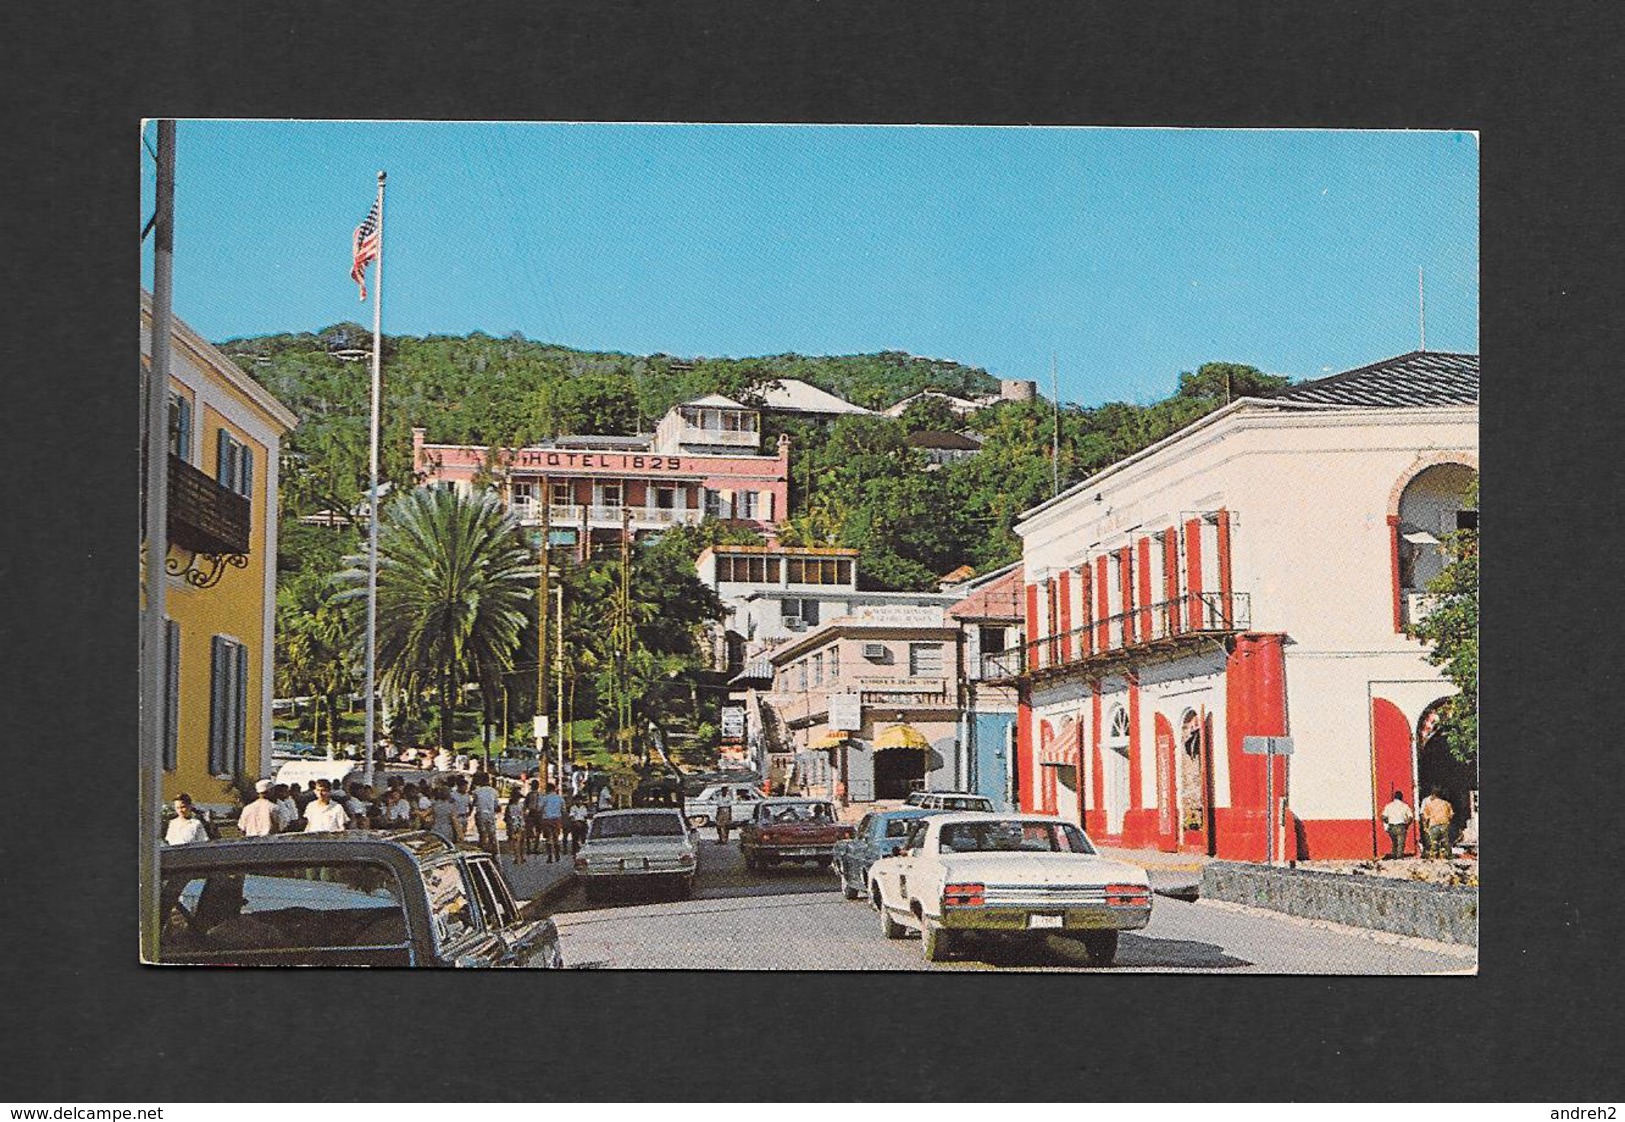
point(971, 803)
point(798, 812)
point(637, 826)
point(1012, 835)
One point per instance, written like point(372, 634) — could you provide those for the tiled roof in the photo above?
point(952, 441)
point(1417, 379)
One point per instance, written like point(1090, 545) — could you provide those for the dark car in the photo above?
point(792, 829)
point(880, 834)
point(357, 898)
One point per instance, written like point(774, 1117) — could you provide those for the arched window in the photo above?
point(1432, 505)
point(1117, 738)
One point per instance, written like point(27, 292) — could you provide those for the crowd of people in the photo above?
point(538, 820)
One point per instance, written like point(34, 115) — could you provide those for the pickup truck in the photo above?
point(788, 829)
point(356, 898)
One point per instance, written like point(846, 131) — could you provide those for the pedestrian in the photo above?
point(259, 818)
point(397, 812)
point(725, 819)
point(485, 812)
point(1397, 818)
point(1436, 816)
point(444, 820)
point(518, 829)
point(551, 806)
point(579, 817)
point(301, 797)
point(324, 813)
point(186, 827)
point(422, 805)
point(463, 805)
point(287, 811)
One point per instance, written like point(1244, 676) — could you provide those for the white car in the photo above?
point(740, 797)
point(1007, 873)
point(650, 846)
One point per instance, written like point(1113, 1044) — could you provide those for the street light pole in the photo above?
point(154, 625)
point(558, 689)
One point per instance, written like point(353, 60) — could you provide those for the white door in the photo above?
point(1114, 765)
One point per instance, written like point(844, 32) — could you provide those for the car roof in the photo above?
point(995, 816)
point(638, 810)
point(421, 844)
point(907, 812)
point(778, 799)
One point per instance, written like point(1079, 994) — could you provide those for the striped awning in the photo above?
point(1059, 746)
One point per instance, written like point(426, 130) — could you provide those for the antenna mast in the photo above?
point(1422, 306)
point(1055, 433)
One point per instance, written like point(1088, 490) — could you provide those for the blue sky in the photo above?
point(1130, 254)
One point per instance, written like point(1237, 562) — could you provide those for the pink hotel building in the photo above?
point(702, 461)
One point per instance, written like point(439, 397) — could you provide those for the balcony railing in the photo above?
point(564, 516)
point(1159, 625)
point(905, 693)
point(204, 516)
point(722, 438)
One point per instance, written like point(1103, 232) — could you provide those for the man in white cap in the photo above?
point(259, 817)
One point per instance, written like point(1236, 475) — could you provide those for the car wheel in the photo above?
point(936, 941)
point(1100, 947)
point(889, 927)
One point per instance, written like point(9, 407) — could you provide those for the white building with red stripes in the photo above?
point(1251, 575)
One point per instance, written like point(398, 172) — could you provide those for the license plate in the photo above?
point(1045, 921)
point(634, 862)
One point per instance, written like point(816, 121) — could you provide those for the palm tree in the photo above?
point(456, 584)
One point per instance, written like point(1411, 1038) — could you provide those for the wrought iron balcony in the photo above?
point(1163, 628)
point(204, 516)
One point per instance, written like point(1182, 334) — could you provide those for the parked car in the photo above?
point(284, 750)
point(649, 845)
point(1028, 875)
point(878, 835)
point(357, 898)
point(951, 800)
point(340, 773)
point(740, 798)
point(792, 829)
point(515, 761)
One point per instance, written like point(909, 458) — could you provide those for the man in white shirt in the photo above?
point(1396, 819)
point(485, 812)
point(186, 827)
point(287, 810)
point(323, 814)
point(258, 818)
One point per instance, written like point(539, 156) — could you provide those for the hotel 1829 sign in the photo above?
point(619, 461)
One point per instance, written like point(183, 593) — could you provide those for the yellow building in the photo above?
point(225, 434)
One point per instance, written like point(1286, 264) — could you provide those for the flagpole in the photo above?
point(372, 494)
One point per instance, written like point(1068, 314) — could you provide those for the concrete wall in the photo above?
point(1448, 914)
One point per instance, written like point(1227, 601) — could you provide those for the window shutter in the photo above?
point(222, 458)
point(239, 709)
point(172, 699)
point(767, 506)
point(219, 698)
point(186, 429)
point(246, 480)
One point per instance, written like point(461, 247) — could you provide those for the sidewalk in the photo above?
point(537, 883)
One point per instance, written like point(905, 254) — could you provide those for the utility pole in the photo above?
point(1055, 432)
point(544, 555)
point(623, 708)
point(558, 683)
point(155, 629)
point(1422, 305)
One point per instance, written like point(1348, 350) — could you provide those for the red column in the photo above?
point(1393, 561)
point(1063, 601)
point(1224, 567)
point(1255, 703)
point(1146, 633)
point(1032, 627)
point(1193, 572)
point(1170, 579)
point(1024, 748)
point(1086, 628)
point(1125, 591)
point(1134, 822)
point(1392, 761)
point(1103, 605)
point(1095, 820)
point(1050, 630)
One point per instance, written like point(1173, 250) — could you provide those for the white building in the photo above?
point(1251, 575)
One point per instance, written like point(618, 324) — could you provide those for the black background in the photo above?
point(1540, 1022)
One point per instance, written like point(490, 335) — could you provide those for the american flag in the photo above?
point(366, 248)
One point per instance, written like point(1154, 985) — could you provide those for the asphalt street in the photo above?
point(794, 918)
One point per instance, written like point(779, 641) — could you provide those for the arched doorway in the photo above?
point(1195, 805)
point(897, 770)
point(1437, 766)
point(1114, 761)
